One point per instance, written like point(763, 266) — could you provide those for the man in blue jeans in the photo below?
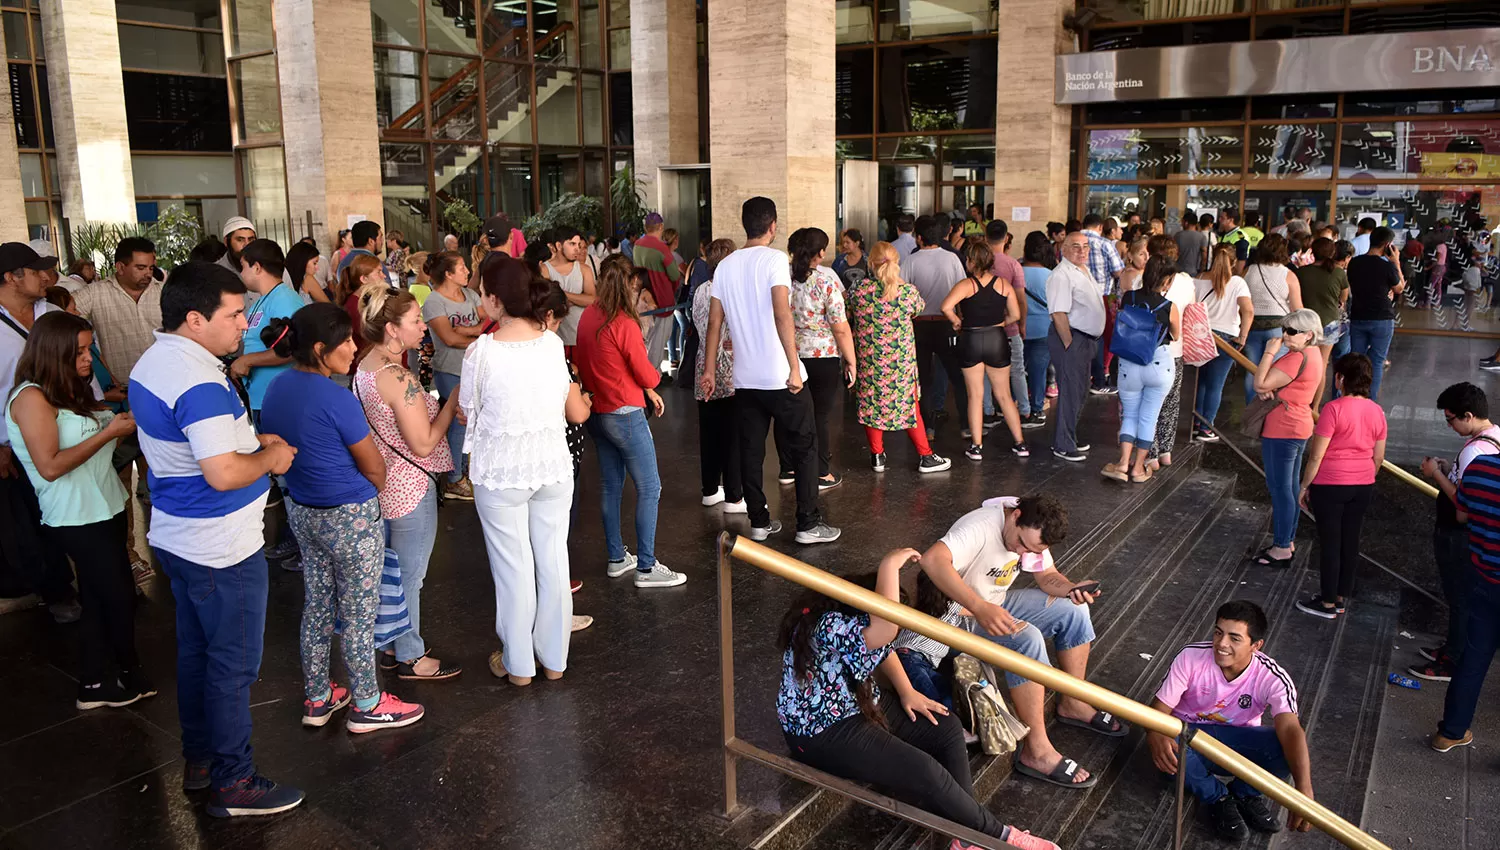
point(208, 483)
point(1479, 505)
point(1375, 282)
point(1222, 688)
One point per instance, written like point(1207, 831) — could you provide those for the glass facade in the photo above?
point(498, 103)
point(33, 114)
point(1425, 163)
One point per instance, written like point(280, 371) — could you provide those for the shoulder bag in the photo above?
point(1197, 334)
point(983, 709)
point(1254, 418)
point(437, 485)
point(1266, 323)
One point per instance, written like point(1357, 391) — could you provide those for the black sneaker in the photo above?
point(932, 463)
point(1083, 447)
point(254, 795)
point(195, 775)
point(1020, 450)
point(786, 476)
point(991, 421)
point(1227, 820)
point(1205, 436)
point(829, 484)
point(135, 680)
point(1035, 420)
point(1258, 814)
point(107, 694)
point(1488, 361)
point(1436, 671)
point(1106, 390)
point(1318, 608)
point(877, 461)
point(1074, 456)
point(974, 452)
point(1432, 653)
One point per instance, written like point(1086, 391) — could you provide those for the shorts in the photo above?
point(988, 346)
point(1334, 331)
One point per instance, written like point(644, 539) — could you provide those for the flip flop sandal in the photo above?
point(1263, 557)
point(1102, 722)
point(445, 670)
point(1142, 479)
point(1112, 471)
point(1060, 775)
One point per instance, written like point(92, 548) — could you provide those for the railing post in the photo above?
point(726, 676)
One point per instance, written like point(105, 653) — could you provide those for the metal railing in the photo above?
point(1392, 468)
point(732, 547)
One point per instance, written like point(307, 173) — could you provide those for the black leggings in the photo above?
point(106, 590)
point(1339, 510)
point(989, 346)
point(915, 762)
point(719, 448)
point(825, 377)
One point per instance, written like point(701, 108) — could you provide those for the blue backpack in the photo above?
point(1137, 334)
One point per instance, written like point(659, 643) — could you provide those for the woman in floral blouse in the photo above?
point(718, 438)
point(885, 349)
point(824, 341)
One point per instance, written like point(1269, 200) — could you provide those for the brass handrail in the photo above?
point(985, 650)
point(1393, 469)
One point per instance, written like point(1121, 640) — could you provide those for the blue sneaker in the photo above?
point(253, 795)
point(320, 712)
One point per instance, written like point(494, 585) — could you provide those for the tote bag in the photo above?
point(392, 619)
point(1197, 335)
point(1254, 418)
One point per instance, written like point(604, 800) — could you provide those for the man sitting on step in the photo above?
point(974, 564)
point(1222, 688)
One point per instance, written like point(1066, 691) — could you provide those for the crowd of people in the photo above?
point(363, 392)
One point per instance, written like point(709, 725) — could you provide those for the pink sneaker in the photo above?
point(389, 713)
point(320, 712)
point(1026, 841)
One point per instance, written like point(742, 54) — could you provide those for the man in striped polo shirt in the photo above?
point(208, 479)
point(1479, 505)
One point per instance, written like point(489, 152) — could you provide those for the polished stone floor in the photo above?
point(623, 752)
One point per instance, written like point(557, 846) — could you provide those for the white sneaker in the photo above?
point(621, 567)
point(659, 576)
point(716, 498)
point(736, 507)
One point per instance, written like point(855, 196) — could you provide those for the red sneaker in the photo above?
point(389, 713)
point(574, 586)
point(320, 712)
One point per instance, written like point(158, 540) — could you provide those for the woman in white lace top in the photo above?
point(517, 397)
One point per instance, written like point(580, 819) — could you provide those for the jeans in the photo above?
point(1211, 378)
point(411, 537)
point(625, 446)
point(445, 384)
point(106, 590)
point(1259, 744)
point(793, 413)
point(1339, 510)
point(526, 536)
point(1018, 373)
point(1143, 388)
point(1282, 459)
point(1037, 359)
point(221, 624)
point(914, 761)
point(1474, 661)
point(1372, 338)
point(719, 449)
point(1450, 548)
point(1066, 624)
point(343, 553)
point(929, 681)
point(1072, 365)
point(1255, 347)
point(678, 337)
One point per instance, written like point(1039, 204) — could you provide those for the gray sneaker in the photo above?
point(622, 566)
point(659, 576)
point(758, 534)
point(820, 533)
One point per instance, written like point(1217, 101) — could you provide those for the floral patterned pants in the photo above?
point(343, 551)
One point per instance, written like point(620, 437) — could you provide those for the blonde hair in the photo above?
point(1221, 269)
point(885, 265)
point(381, 305)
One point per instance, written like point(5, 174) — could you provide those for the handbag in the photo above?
point(982, 709)
point(1197, 335)
point(437, 484)
point(1254, 418)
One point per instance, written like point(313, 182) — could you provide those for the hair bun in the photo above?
point(279, 337)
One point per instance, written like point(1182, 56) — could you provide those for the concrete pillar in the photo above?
point(326, 63)
point(82, 41)
point(770, 76)
point(12, 208)
point(664, 93)
point(1031, 167)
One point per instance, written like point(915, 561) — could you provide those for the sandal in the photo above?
point(445, 670)
point(1060, 775)
point(1263, 557)
point(1102, 722)
point(1142, 479)
point(1111, 470)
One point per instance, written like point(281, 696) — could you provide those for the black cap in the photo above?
point(18, 255)
point(497, 225)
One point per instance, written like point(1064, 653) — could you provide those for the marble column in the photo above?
point(12, 207)
point(326, 65)
point(1031, 133)
point(770, 78)
point(82, 42)
point(664, 93)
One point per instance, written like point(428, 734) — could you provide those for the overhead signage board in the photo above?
point(1437, 59)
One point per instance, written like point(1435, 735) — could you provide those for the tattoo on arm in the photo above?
point(413, 389)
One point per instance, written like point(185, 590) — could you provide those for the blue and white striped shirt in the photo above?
point(185, 411)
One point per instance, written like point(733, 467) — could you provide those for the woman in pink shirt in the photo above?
point(1293, 380)
point(1347, 447)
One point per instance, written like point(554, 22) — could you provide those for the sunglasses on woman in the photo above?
point(1286, 331)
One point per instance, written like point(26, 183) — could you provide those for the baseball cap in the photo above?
point(19, 255)
point(43, 248)
point(239, 222)
point(497, 226)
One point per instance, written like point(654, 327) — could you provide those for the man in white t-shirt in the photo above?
point(752, 294)
point(975, 564)
point(1468, 413)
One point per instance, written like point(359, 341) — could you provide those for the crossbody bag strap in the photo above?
point(13, 326)
point(431, 476)
point(1267, 287)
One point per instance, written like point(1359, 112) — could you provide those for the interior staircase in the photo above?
point(1168, 555)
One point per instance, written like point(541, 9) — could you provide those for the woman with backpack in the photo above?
point(1145, 325)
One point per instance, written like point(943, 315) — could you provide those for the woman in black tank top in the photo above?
point(980, 306)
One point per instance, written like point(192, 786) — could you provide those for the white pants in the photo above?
point(526, 533)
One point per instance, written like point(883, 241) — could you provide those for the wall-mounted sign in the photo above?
point(1408, 60)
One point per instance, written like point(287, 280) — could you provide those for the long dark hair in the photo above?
point(296, 262)
point(50, 360)
point(1322, 251)
point(797, 628)
point(296, 336)
point(805, 245)
point(1158, 274)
